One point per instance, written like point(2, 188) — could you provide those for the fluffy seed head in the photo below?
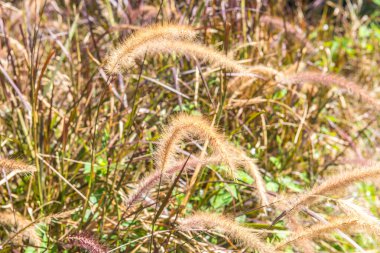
point(225, 225)
point(334, 183)
point(10, 165)
point(21, 227)
point(119, 57)
point(158, 176)
point(186, 126)
point(318, 230)
point(87, 242)
point(330, 80)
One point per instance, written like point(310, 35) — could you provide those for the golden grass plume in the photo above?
point(226, 226)
point(16, 166)
point(119, 57)
point(168, 163)
point(318, 230)
point(334, 183)
point(158, 176)
point(185, 126)
point(262, 72)
point(179, 41)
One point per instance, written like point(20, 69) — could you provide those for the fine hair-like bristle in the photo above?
point(226, 226)
point(252, 169)
point(87, 242)
point(158, 176)
point(153, 33)
point(119, 61)
point(329, 80)
point(16, 166)
point(318, 230)
point(185, 126)
point(334, 183)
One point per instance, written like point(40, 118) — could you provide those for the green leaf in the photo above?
point(276, 162)
point(244, 177)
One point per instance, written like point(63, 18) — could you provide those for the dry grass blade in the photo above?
point(330, 80)
point(225, 225)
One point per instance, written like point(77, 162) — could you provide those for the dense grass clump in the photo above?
point(199, 126)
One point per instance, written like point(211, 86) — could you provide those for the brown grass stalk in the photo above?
point(226, 226)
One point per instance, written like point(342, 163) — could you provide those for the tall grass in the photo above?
point(111, 100)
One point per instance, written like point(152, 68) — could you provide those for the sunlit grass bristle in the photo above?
point(226, 226)
point(16, 166)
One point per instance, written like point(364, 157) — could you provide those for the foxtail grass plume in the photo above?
point(318, 230)
point(329, 80)
point(22, 228)
point(239, 83)
point(185, 126)
point(15, 166)
point(86, 242)
point(167, 39)
point(191, 49)
point(226, 226)
point(123, 55)
point(251, 168)
point(334, 183)
point(158, 176)
point(367, 221)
